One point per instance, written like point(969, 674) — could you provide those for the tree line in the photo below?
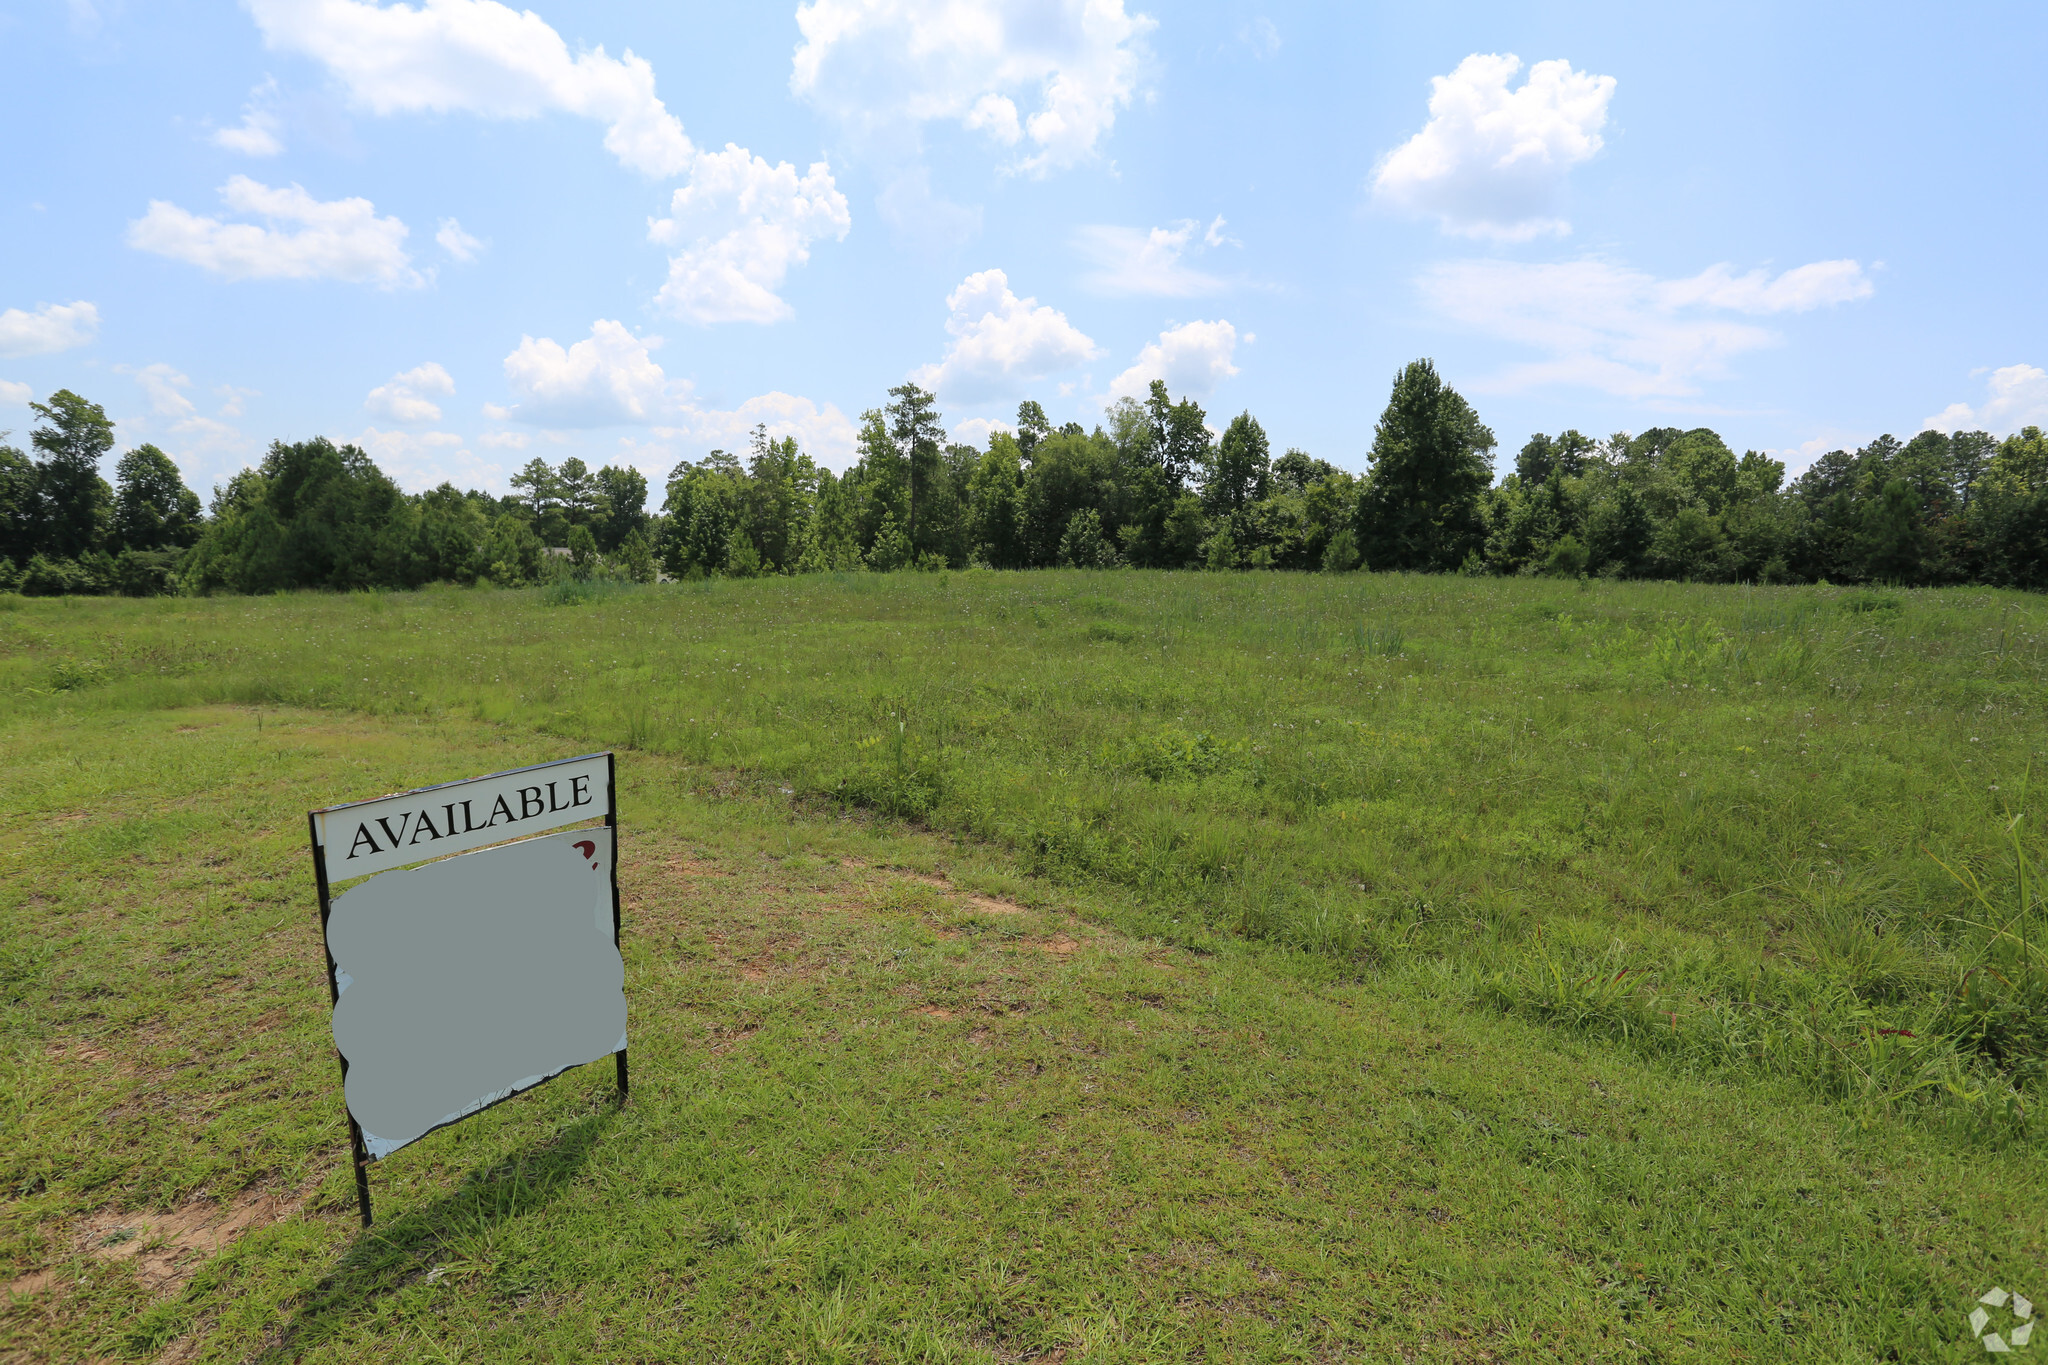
point(1152, 486)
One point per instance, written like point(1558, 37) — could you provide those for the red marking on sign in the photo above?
point(588, 846)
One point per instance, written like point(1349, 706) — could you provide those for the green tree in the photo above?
point(1083, 546)
point(312, 515)
point(539, 491)
point(581, 494)
point(1032, 427)
point(20, 503)
point(1242, 467)
point(75, 504)
point(1894, 539)
point(635, 557)
point(892, 549)
point(622, 493)
point(2009, 512)
point(917, 432)
point(453, 529)
point(1180, 434)
point(1430, 462)
point(153, 509)
point(995, 492)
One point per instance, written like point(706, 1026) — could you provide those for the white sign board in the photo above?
point(374, 836)
point(471, 977)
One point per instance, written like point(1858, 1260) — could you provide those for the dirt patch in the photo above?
point(935, 1012)
point(990, 905)
point(65, 1050)
point(168, 1248)
point(723, 1040)
point(34, 1283)
point(1059, 945)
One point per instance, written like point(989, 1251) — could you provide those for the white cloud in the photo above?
point(604, 380)
point(1798, 290)
point(457, 243)
point(259, 133)
point(163, 386)
point(404, 398)
point(879, 65)
point(1192, 358)
point(233, 399)
point(1130, 261)
point(341, 240)
point(975, 431)
point(1622, 331)
point(1001, 342)
point(17, 394)
point(419, 460)
point(506, 440)
point(743, 223)
point(2016, 397)
point(1490, 161)
point(52, 327)
point(479, 57)
point(183, 424)
point(825, 433)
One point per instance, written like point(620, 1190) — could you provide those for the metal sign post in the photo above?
point(473, 962)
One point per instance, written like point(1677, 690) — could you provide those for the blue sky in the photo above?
point(465, 234)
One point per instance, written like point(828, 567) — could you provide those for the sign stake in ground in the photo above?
point(481, 955)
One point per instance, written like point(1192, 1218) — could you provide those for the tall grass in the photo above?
point(1779, 828)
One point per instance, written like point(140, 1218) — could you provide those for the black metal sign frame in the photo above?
point(359, 1153)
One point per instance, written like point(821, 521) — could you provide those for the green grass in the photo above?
point(1417, 1007)
point(1733, 826)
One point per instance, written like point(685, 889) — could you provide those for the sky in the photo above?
point(464, 235)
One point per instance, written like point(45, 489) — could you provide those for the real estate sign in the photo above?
point(482, 972)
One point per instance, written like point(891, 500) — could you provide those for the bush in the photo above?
point(1084, 546)
point(147, 573)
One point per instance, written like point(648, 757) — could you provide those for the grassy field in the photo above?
point(1064, 967)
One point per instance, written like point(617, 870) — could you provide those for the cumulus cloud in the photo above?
point(164, 387)
point(419, 460)
point(882, 66)
point(1192, 358)
point(17, 394)
point(1001, 342)
point(1491, 160)
point(610, 379)
point(52, 327)
point(1136, 262)
point(824, 432)
point(2016, 396)
point(606, 379)
point(260, 132)
point(301, 238)
point(742, 224)
point(404, 398)
point(457, 243)
point(1622, 331)
point(479, 57)
point(975, 431)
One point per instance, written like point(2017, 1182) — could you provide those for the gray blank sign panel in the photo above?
point(474, 977)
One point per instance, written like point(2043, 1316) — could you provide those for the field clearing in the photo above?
point(1732, 826)
point(1276, 968)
